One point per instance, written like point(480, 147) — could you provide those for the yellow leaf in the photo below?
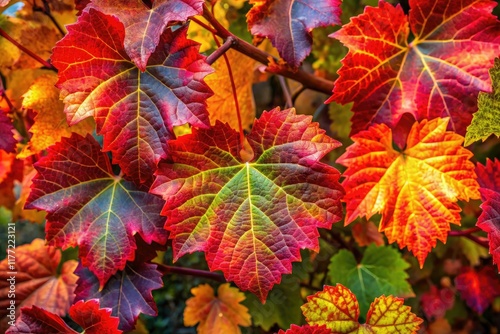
point(221, 106)
point(221, 314)
point(50, 122)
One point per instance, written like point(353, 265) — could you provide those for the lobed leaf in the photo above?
point(436, 302)
point(489, 220)
point(485, 120)
point(134, 110)
point(88, 315)
point(250, 218)
point(437, 74)
point(50, 122)
point(90, 207)
point(288, 24)
point(306, 329)
point(380, 272)
point(478, 288)
point(221, 314)
point(38, 280)
point(415, 189)
point(143, 25)
point(128, 292)
point(337, 308)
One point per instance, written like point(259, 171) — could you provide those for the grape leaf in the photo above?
point(485, 120)
point(143, 25)
point(221, 314)
point(134, 110)
point(50, 122)
point(250, 218)
point(380, 272)
point(489, 220)
point(37, 279)
point(415, 189)
point(438, 74)
point(7, 140)
point(221, 105)
point(306, 329)
point(366, 233)
point(337, 309)
point(88, 315)
point(128, 292)
point(478, 288)
point(436, 302)
point(19, 212)
point(288, 24)
point(90, 207)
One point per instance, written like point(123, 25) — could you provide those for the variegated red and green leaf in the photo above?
point(90, 207)
point(288, 24)
point(306, 329)
point(88, 315)
point(437, 74)
point(144, 25)
point(488, 177)
point(415, 189)
point(337, 308)
point(135, 111)
point(250, 218)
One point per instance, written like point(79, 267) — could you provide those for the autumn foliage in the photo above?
point(157, 141)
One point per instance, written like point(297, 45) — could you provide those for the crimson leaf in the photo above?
point(134, 110)
point(90, 207)
point(250, 218)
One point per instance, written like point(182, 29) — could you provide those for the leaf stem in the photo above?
point(468, 234)
point(164, 269)
point(286, 92)
point(220, 51)
point(46, 10)
point(306, 79)
point(27, 51)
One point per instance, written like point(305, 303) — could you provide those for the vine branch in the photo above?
point(468, 233)
point(164, 269)
point(27, 51)
point(306, 79)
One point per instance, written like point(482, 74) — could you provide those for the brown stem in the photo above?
point(25, 50)
point(286, 92)
point(468, 234)
point(220, 51)
point(46, 10)
point(306, 79)
point(164, 269)
point(4, 96)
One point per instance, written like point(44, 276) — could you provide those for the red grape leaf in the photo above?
point(478, 288)
point(288, 24)
point(127, 293)
point(88, 315)
point(37, 279)
point(366, 233)
point(306, 329)
point(134, 110)
point(438, 74)
point(488, 177)
point(7, 140)
point(90, 207)
point(337, 308)
point(250, 218)
point(415, 189)
point(221, 314)
point(143, 25)
point(436, 302)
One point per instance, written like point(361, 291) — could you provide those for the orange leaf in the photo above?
point(367, 232)
point(6, 160)
point(37, 281)
point(415, 189)
point(221, 105)
point(221, 314)
point(337, 308)
point(50, 122)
